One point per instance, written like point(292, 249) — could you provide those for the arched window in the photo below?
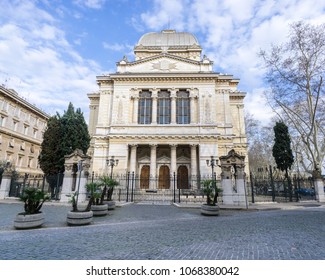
point(164, 109)
point(183, 107)
point(145, 107)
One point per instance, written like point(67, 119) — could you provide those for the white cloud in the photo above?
point(115, 46)
point(93, 4)
point(38, 61)
point(233, 31)
point(255, 104)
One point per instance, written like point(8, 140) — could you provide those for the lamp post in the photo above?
point(112, 162)
point(80, 168)
point(213, 163)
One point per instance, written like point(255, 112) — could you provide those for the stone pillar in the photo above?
point(194, 166)
point(153, 165)
point(5, 185)
point(133, 158)
point(226, 185)
point(83, 162)
point(154, 106)
point(173, 163)
point(67, 184)
point(319, 190)
point(233, 179)
point(241, 198)
point(193, 160)
point(173, 106)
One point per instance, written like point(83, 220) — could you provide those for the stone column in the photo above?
point(5, 185)
point(173, 163)
point(194, 166)
point(153, 165)
point(319, 190)
point(241, 198)
point(193, 160)
point(154, 106)
point(67, 184)
point(173, 106)
point(226, 185)
point(133, 158)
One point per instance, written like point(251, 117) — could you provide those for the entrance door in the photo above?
point(182, 177)
point(144, 177)
point(164, 180)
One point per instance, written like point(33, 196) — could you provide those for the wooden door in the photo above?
point(164, 177)
point(182, 177)
point(144, 177)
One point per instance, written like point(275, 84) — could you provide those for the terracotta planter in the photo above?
point(110, 205)
point(27, 221)
point(79, 218)
point(209, 210)
point(99, 210)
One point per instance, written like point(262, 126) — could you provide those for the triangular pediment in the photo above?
point(163, 63)
point(183, 159)
point(144, 159)
point(163, 159)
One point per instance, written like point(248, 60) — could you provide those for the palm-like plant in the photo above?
point(33, 200)
point(211, 190)
point(109, 185)
point(94, 188)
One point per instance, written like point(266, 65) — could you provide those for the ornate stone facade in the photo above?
point(165, 112)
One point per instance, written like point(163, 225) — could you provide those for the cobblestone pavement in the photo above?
point(168, 233)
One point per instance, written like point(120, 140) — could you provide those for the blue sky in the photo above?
point(52, 50)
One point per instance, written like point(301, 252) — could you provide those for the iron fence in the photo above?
point(157, 190)
point(51, 184)
point(265, 186)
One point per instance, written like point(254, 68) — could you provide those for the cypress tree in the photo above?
point(74, 131)
point(282, 152)
point(62, 136)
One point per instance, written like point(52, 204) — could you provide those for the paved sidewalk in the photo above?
point(139, 232)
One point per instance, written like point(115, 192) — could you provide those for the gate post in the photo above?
point(319, 187)
point(233, 179)
point(70, 160)
point(252, 186)
point(5, 184)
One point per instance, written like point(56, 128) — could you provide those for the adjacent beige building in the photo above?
point(165, 112)
point(21, 132)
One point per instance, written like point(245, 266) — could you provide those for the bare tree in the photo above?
point(295, 72)
point(260, 141)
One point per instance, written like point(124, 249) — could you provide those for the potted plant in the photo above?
point(97, 194)
point(109, 185)
point(77, 217)
point(32, 216)
point(211, 191)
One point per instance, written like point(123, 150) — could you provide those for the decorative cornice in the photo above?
point(164, 137)
point(163, 55)
point(15, 98)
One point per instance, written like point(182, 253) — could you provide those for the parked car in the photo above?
point(306, 191)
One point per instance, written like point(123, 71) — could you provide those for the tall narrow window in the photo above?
point(183, 107)
point(164, 109)
point(145, 108)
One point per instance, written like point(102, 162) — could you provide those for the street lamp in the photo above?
point(112, 162)
point(213, 163)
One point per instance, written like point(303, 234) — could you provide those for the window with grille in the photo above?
point(145, 107)
point(164, 108)
point(183, 107)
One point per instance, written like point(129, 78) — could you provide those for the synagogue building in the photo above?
point(167, 112)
